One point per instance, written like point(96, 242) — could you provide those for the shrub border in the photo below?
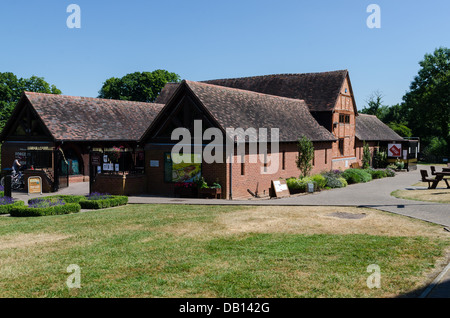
point(6, 209)
point(104, 203)
point(22, 211)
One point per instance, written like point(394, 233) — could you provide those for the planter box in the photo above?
point(210, 193)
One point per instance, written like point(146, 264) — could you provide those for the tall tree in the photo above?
point(375, 105)
point(428, 100)
point(138, 86)
point(305, 155)
point(12, 87)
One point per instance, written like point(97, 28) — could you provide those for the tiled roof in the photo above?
point(236, 108)
point(319, 90)
point(88, 119)
point(370, 128)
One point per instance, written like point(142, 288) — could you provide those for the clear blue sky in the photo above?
point(209, 39)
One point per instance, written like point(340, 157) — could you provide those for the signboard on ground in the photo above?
point(394, 150)
point(34, 185)
point(280, 188)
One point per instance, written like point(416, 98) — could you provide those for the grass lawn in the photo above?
point(217, 251)
point(430, 195)
point(440, 195)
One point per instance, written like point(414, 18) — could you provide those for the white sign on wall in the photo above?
point(394, 150)
point(108, 167)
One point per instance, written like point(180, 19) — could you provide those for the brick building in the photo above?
point(55, 134)
point(224, 108)
point(72, 138)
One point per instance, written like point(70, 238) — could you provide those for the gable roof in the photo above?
point(319, 90)
point(370, 128)
point(90, 119)
point(236, 108)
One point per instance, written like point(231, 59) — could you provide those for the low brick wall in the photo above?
point(46, 184)
point(119, 184)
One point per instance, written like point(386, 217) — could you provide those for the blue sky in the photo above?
point(202, 40)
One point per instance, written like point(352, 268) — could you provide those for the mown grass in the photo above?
point(131, 251)
point(439, 195)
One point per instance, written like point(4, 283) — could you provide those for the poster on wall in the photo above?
point(182, 168)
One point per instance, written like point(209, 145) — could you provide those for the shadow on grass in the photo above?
point(441, 290)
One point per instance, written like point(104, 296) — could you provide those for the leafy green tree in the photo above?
point(428, 100)
point(366, 156)
point(375, 105)
point(12, 87)
point(401, 129)
point(305, 155)
point(138, 86)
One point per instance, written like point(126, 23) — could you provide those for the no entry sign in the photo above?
point(394, 150)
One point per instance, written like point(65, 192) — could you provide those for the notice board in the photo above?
point(34, 185)
point(280, 188)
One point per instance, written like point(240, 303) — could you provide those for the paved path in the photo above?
point(374, 194)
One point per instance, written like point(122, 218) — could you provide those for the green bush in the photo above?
point(356, 176)
point(343, 182)
point(23, 211)
point(334, 179)
point(6, 208)
point(319, 181)
point(376, 174)
point(389, 172)
point(104, 203)
point(65, 198)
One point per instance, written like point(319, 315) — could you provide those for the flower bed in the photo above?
point(102, 201)
point(7, 203)
point(45, 206)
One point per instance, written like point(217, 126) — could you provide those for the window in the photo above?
point(283, 160)
point(242, 165)
point(341, 146)
point(344, 119)
point(39, 159)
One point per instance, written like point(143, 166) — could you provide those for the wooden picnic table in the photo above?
point(445, 169)
point(439, 177)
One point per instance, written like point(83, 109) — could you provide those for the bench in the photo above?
point(433, 170)
point(431, 181)
point(355, 165)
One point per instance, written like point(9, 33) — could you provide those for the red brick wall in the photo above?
point(240, 183)
point(253, 177)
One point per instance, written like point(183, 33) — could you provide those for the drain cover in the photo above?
point(346, 215)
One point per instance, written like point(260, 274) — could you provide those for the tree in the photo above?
point(375, 105)
point(305, 156)
point(138, 86)
point(366, 156)
point(428, 100)
point(12, 88)
point(401, 129)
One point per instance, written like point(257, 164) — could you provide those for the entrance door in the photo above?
point(61, 172)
